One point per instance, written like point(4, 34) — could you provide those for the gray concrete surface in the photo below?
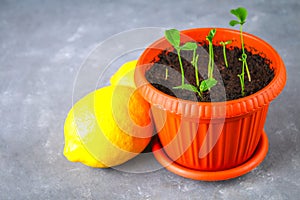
point(42, 45)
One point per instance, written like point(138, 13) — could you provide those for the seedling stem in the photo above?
point(181, 67)
point(211, 63)
point(241, 14)
point(173, 36)
point(195, 64)
point(224, 51)
point(166, 75)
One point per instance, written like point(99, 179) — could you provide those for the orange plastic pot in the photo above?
point(210, 136)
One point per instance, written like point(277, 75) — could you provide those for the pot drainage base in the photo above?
point(258, 156)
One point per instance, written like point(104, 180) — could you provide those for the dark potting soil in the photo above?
point(228, 86)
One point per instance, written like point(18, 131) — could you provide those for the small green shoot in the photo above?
point(204, 86)
point(195, 61)
point(207, 84)
point(211, 63)
point(190, 88)
point(166, 74)
point(224, 50)
point(193, 47)
point(241, 14)
point(173, 37)
point(242, 81)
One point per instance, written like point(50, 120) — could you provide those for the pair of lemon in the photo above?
point(110, 125)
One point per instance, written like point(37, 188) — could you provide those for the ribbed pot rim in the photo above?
point(232, 108)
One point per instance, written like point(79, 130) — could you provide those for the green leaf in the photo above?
point(187, 87)
point(173, 36)
point(189, 46)
point(234, 22)
point(211, 35)
point(207, 84)
point(241, 13)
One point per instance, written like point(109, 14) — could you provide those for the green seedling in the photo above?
point(211, 61)
point(224, 50)
point(173, 36)
point(204, 86)
point(241, 14)
point(207, 84)
point(195, 62)
point(166, 74)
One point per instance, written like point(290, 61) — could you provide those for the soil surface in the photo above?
point(228, 86)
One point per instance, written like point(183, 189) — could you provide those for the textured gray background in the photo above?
point(42, 45)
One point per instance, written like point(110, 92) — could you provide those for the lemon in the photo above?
point(125, 75)
point(74, 149)
point(107, 127)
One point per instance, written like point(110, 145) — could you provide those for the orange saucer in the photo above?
point(258, 156)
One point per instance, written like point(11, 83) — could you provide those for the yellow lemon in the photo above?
point(107, 127)
point(125, 75)
point(81, 117)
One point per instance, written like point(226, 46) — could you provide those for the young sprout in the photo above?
point(211, 63)
point(195, 63)
point(166, 74)
point(204, 86)
point(173, 36)
point(224, 50)
point(207, 84)
point(241, 14)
